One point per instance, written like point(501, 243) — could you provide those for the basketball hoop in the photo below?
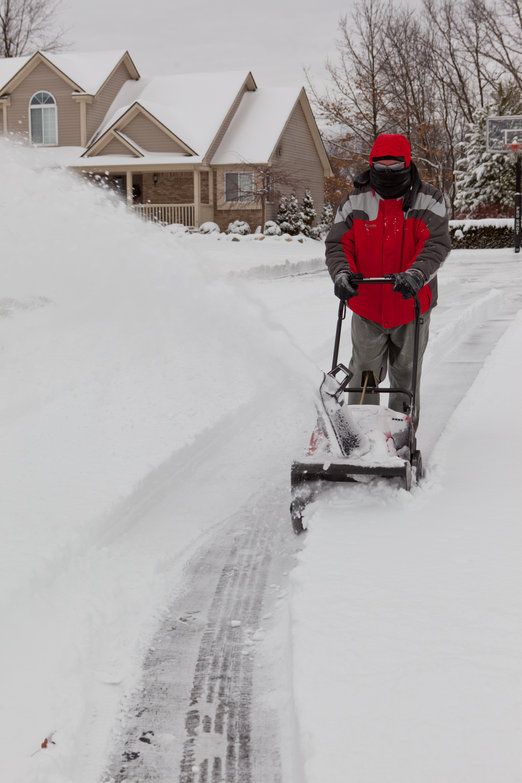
point(515, 146)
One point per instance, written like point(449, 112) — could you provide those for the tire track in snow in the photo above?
point(213, 741)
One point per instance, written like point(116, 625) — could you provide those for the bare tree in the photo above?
point(269, 182)
point(355, 104)
point(28, 25)
point(503, 23)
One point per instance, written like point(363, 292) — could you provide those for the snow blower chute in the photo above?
point(357, 442)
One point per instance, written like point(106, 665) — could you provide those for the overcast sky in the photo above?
point(273, 38)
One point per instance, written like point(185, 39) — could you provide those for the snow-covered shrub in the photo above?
point(325, 222)
point(478, 234)
point(240, 227)
point(271, 229)
point(209, 228)
point(178, 229)
point(290, 217)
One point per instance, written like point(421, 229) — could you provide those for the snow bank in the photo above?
point(118, 352)
point(253, 254)
point(407, 609)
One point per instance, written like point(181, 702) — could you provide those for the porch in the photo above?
point(166, 214)
point(166, 197)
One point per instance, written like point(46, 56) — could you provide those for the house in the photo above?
point(185, 149)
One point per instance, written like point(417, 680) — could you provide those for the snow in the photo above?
point(9, 66)
point(407, 608)
point(156, 381)
point(88, 70)
point(192, 106)
point(119, 354)
point(257, 126)
point(252, 255)
point(149, 158)
point(466, 225)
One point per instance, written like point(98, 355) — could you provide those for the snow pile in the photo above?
point(119, 351)
point(407, 609)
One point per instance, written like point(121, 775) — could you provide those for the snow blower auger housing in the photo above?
point(357, 442)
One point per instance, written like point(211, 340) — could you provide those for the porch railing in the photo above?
point(167, 213)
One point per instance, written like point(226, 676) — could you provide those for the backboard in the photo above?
point(503, 131)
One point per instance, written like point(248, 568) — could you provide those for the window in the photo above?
point(43, 119)
point(239, 186)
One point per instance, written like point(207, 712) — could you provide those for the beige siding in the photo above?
point(224, 127)
point(151, 138)
point(43, 78)
point(298, 157)
point(97, 110)
point(116, 147)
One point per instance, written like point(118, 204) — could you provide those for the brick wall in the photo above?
point(252, 215)
point(173, 187)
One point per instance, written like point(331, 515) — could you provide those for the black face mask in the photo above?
point(390, 184)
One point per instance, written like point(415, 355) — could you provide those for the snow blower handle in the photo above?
point(390, 280)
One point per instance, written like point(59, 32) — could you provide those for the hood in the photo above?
point(393, 145)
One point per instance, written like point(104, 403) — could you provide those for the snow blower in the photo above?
point(357, 442)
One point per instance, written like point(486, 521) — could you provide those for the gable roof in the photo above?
point(9, 67)
point(87, 71)
point(192, 106)
point(120, 122)
point(258, 125)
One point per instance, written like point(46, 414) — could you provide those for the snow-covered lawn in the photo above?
point(129, 357)
point(252, 255)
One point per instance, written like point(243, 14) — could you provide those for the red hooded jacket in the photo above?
point(374, 236)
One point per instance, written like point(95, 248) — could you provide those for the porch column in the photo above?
point(83, 124)
point(129, 188)
point(197, 197)
point(5, 102)
point(211, 187)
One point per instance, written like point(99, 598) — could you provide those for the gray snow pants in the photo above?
point(386, 351)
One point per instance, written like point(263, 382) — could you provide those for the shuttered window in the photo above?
point(44, 119)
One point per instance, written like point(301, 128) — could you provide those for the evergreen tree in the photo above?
point(282, 213)
point(484, 180)
point(290, 217)
point(327, 216)
point(309, 213)
point(325, 222)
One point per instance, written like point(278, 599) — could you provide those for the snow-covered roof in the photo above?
point(148, 159)
point(192, 106)
point(9, 66)
point(88, 70)
point(257, 125)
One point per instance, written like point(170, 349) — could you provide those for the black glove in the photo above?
point(345, 285)
point(409, 283)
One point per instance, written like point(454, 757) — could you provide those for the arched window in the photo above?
point(43, 119)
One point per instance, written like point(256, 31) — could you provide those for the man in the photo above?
point(392, 224)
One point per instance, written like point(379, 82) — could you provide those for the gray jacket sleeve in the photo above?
point(340, 251)
point(431, 209)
